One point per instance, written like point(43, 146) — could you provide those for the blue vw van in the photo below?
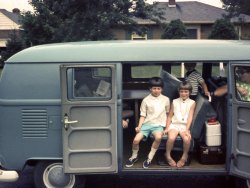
point(62, 106)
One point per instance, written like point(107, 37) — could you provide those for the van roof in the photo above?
point(149, 50)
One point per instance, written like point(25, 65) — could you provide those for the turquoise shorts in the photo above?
point(147, 130)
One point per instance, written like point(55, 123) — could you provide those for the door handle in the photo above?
point(67, 122)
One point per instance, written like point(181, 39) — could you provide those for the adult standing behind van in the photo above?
point(153, 117)
point(195, 78)
point(242, 84)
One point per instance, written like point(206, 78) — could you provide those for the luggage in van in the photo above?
point(213, 132)
point(211, 154)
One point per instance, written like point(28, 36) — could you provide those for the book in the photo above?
point(103, 88)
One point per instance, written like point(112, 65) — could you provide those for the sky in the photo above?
point(23, 5)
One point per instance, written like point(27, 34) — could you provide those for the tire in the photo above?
point(49, 174)
point(248, 183)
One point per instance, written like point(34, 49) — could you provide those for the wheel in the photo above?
point(248, 183)
point(50, 174)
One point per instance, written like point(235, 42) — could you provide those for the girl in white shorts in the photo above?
point(178, 123)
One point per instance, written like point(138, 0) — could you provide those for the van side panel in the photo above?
point(30, 113)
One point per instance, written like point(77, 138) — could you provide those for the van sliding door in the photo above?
point(89, 118)
point(240, 162)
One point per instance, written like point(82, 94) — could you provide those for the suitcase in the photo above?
point(211, 154)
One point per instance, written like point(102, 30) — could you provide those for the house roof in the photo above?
point(190, 12)
point(9, 20)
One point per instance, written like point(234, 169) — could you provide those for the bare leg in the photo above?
point(172, 134)
point(186, 137)
point(135, 145)
point(157, 139)
point(155, 145)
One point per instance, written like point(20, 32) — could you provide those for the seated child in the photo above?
point(179, 122)
point(153, 116)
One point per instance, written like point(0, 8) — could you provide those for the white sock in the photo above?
point(152, 153)
point(135, 150)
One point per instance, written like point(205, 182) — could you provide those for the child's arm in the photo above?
point(189, 120)
point(190, 116)
point(242, 91)
point(141, 120)
point(204, 87)
point(169, 118)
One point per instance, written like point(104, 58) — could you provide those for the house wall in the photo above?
point(206, 30)
point(245, 32)
point(156, 31)
point(119, 34)
point(4, 34)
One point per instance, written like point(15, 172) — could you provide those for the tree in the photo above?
point(223, 29)
point(13, 45)
point(39, 27)
point(236, 7)
point(63, 20)
point(174, 30)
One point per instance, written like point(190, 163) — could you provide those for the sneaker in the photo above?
point(146, 163)
point(131, 162)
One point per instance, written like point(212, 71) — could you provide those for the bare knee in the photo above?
point(137, 138)
point(158, 137)
point(171, 138)
point(186, 140)
point(136, 141)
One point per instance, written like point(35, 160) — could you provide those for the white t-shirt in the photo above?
point(155, 110)
point(181, 110)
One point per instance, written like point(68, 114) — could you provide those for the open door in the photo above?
point(89, 111)
point(240, 78)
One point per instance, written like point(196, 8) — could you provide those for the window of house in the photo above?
point(193, 33)
point(136, 36)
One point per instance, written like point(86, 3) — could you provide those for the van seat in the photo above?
point(171, 85)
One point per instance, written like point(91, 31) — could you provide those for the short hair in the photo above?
point(242, 70)
point(185, 85)
point(190, 64)
point(155, 82)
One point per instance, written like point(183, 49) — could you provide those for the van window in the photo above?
point(102, 72)
point(178, 69)
point(219, 69)
point(146, 71)
point(91, 83)
point(242, 82)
